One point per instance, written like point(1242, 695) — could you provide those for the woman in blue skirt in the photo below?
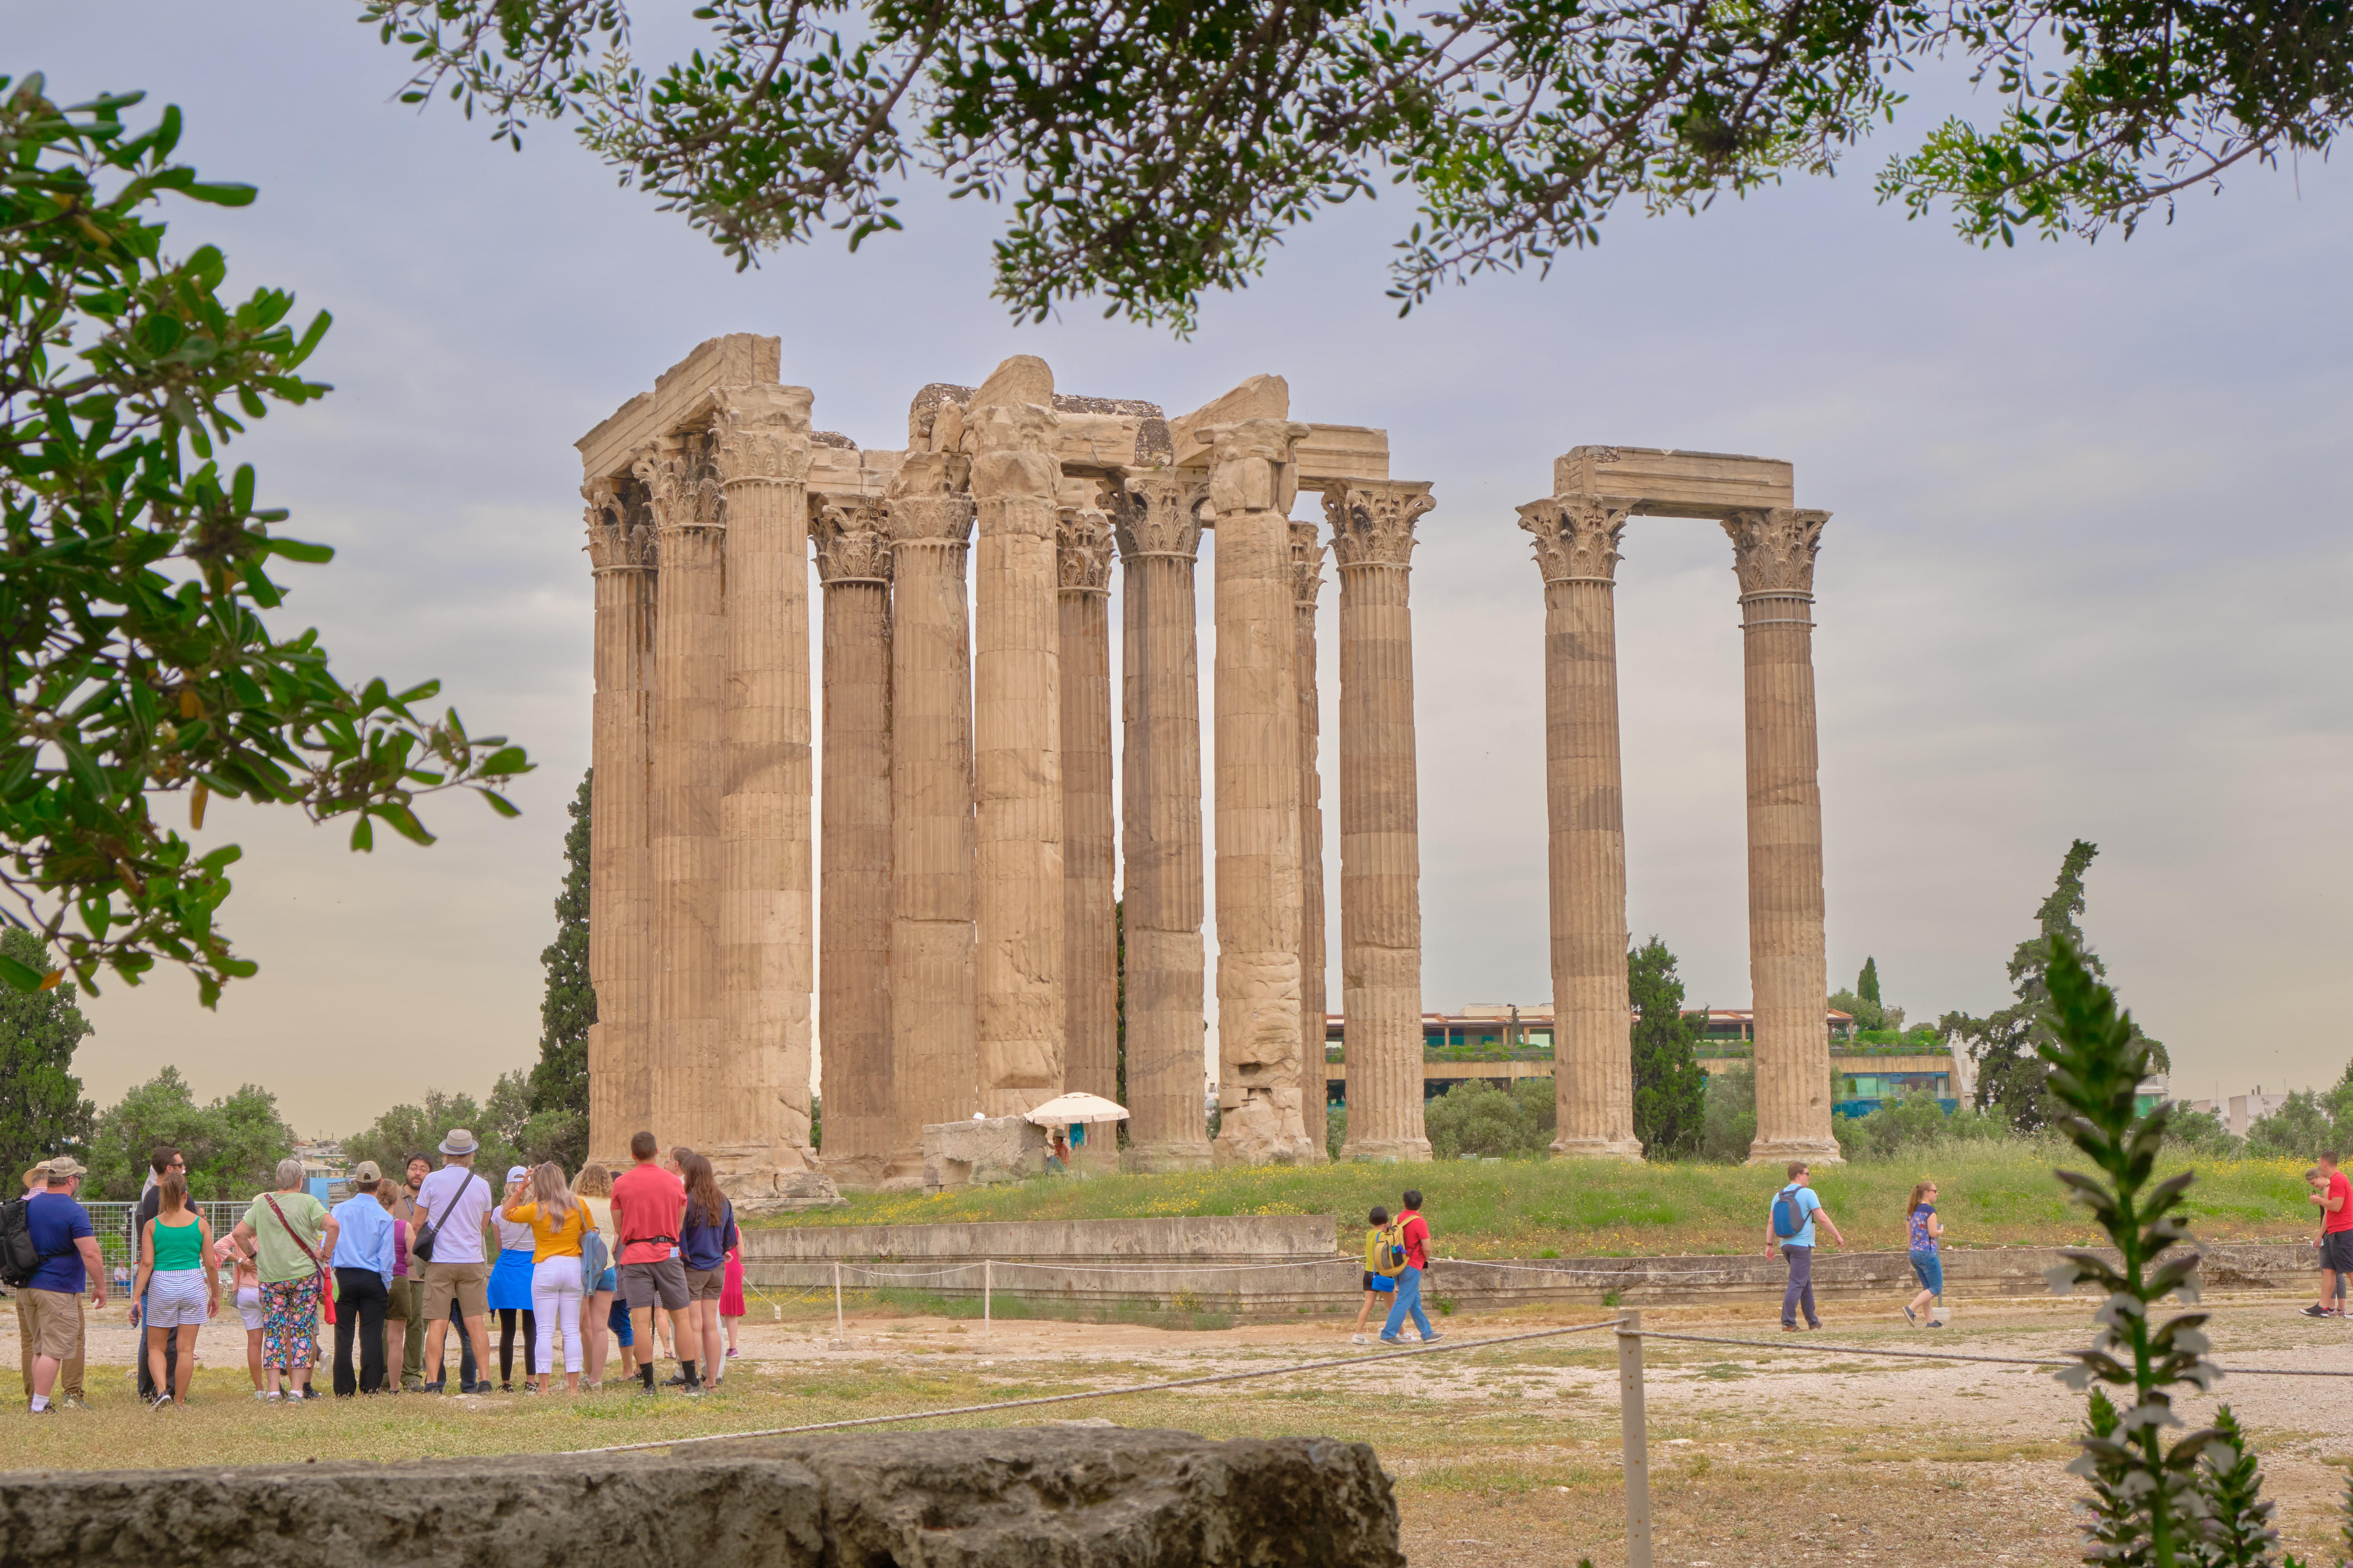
point(510, 1287)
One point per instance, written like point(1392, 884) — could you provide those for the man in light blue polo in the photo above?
point(365, 1240)
point(1797, 1203)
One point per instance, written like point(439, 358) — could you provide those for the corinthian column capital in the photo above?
point(1773, 549)
point(1159, 513)
point(852, 539)
point(1306, 563)
point(1083, 541)
point(761, 434)
point(673, 490)
point(1013, 452)
point(615, 542)
point(1372, 521)
point(1250, 467)
point(1577, 535)
point(925, 504)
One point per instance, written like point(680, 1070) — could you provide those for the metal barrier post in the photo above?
point(1635, 1435)
point(841, 1334)
point(987, 1288)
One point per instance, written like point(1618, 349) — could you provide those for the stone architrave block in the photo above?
point(982, 1152)
point(1329, 455)
point(1259, 397)
point(682, 396)
point(1668, 483)
point(1041, 1496)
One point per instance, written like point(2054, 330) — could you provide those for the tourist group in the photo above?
point(392, 1270)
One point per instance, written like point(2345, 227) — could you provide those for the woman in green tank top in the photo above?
point(178, 1283)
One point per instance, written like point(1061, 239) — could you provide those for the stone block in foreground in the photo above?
point(1079, 1497)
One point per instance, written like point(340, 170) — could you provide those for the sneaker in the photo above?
point(44, 1410)
point(1358, 1340)
point(1789, 1328)
point(70, 1402)
point(160, 1401)
point(529, 1388)
point(2315, 1312)
point(675, 1380)
point(1388, 1338)
point(731, 1354)
point(1913, 1318)
point(1432, 1339)
point(435, 1387)
point(265, 1398)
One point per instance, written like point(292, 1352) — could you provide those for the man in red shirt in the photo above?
point(2334, 1196)
point(648, 1203)
point(1413, 1234)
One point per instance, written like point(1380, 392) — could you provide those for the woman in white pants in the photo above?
point(557, 1222)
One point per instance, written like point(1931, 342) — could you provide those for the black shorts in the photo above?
point(2337, 1250)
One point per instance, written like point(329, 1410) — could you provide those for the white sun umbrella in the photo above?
point(1077, 1106)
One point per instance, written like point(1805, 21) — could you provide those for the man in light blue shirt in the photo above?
point(1798, 1201)
point(363, 1262)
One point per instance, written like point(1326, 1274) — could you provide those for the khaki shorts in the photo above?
point(665, 1279)
point(404, 1291)
point(53, 1322)
point(467, 1284)
point(704, 1284)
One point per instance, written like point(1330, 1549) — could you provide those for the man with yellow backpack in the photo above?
point(1383, 1259)
point(1412, 1253)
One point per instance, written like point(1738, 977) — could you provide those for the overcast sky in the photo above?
point(2085, 574)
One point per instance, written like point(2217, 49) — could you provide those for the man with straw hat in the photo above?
point(50, 1302)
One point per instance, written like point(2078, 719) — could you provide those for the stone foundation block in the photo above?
point(1022, 1498)
point(982, 1151)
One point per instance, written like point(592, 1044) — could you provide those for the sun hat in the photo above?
point(518, 1173)
point(459, 1143)
point(366, 1170)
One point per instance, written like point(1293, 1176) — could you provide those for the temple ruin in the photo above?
point(949, 904)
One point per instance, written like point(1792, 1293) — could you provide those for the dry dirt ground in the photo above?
point(1786, 1451)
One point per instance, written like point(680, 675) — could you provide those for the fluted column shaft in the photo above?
point(1017, 756)
point(1593, 1074)
point(1380, 835)
point(1773, 556)
point(1159, 533)
point(620, 905)
point(932, 1054)
point(1307, 578)
point(853, 563)
point(760, 1115)
point(1089, 935)
point(1256, 696)
point(685, 1065)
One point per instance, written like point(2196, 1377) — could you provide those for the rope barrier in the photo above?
point(1439, 1348)
point(1176, 1266)
point(1961, 1355)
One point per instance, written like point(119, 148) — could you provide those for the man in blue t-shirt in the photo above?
point(69, 1259)
point(1798, 1248)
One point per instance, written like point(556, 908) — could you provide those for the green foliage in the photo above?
point(1336, 1129)
point(1152, 155)
point(2151, 1505)
point(137, 665)
point(2302, 1127)
point(1729, 1113)
point(817, 1122)
point(2009, 1045)
point(1669, 1086)
point(559, 1083)
point(2239, 1530)
point(1480, 1120)
point(510, 1133)
point(2201, 1131)
point(1866, 984)
point(1913, 1125)
point(42, 1112)
point(233, 1144)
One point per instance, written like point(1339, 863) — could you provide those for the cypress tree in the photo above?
point(42, 1112)
point(1669, 1086)
point(1866, 984)
point(559, 1083)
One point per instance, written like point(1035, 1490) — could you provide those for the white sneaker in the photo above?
point(1357, 1339)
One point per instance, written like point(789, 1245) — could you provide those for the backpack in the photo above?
point(1384, 1251)
point(19, 1258)
point(1789, 1216)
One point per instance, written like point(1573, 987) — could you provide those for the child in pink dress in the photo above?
point(730, 1295)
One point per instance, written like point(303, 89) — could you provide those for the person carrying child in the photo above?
point(1384, 1260)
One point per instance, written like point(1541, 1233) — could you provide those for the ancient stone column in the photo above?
point(1090, 937)
point(1592, 1034)
point(620, 895)
point(1773, 555)
point(1255, 692)
point(933, 1057)
point(1160, 535)
point(685, 1065)
point(1306, 581)
point(1017, 753)
point(1380, 818)
point(766, 928)
point(853, 563)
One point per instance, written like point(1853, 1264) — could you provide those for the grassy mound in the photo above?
point(1998, 1195)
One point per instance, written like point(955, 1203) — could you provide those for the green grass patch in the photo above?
point(1992, 1194)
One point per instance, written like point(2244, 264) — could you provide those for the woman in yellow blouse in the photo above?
point(557, 1222)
